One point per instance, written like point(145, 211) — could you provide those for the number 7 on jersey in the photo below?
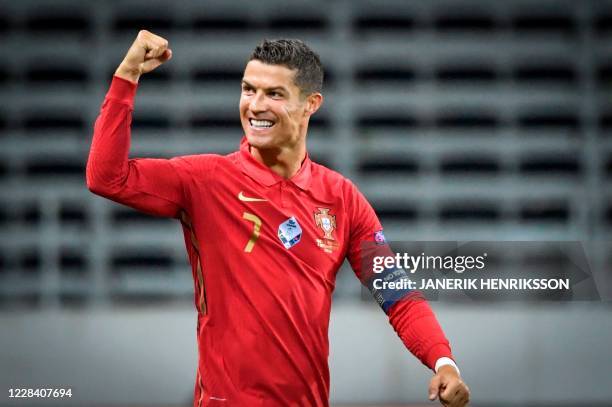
point(256, 230)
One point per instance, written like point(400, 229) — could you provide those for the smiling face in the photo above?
point(273, 113)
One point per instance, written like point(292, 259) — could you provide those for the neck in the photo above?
point(284, 162)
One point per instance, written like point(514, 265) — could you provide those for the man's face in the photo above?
point(272, 112)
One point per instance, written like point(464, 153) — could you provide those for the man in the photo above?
point(266, 230)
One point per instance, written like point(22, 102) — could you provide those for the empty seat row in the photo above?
point(81, 23)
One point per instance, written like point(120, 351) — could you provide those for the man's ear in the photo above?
point(313, 103)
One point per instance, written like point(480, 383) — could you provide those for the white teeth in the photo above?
point(261, 123)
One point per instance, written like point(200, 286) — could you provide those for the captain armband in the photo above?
point(389, 286)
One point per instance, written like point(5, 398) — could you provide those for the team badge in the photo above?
point(290, 232)
point(327, 224)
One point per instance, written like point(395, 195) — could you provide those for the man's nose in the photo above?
point(258, 103)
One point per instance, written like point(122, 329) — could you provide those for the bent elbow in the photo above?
point(97, 184)
point(94, 187)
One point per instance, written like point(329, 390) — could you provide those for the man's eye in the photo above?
point(276, 94)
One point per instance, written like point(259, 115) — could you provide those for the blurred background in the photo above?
point(459, 120)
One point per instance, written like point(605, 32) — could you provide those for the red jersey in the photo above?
point(264, 252)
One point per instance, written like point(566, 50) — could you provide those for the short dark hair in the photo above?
point(294, 54)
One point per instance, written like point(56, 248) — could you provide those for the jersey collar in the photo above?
point(264, 175)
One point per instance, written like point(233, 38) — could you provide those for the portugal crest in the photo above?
point(327, 224)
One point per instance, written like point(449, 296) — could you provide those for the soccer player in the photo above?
point(266, 230)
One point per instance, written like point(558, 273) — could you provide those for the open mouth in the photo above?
point(261, 124)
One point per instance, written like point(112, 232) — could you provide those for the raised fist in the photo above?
point(146, 53)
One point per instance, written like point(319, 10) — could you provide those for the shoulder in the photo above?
point(196, 163)
point(333, 183)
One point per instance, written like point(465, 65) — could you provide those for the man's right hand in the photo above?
point(146, 53)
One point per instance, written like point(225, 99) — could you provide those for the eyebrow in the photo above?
point(266, 89)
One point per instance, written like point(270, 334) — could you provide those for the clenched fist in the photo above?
point(146, 53)
point(449, 388)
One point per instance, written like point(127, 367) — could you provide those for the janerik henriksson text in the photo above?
point(474, 284)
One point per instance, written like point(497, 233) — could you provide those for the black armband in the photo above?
point(389, 287)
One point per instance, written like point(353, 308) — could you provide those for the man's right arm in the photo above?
point(150, 185)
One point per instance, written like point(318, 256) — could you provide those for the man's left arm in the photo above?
point(416, 324)
point(409, 313)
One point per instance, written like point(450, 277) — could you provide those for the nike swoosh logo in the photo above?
point(244, 198)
